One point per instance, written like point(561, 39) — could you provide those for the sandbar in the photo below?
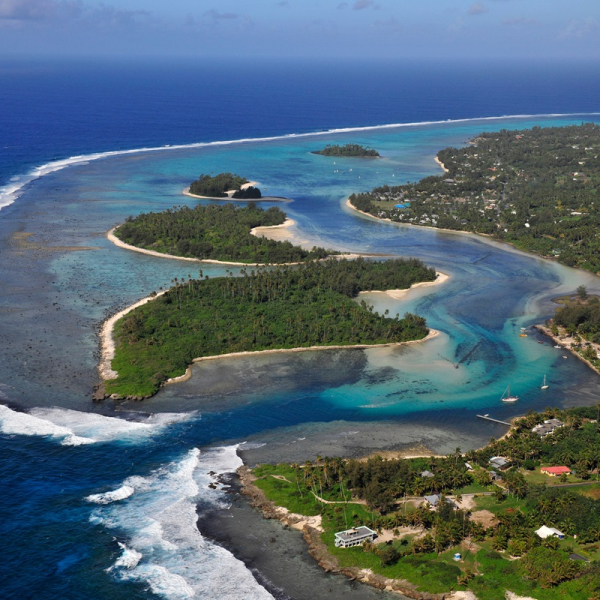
point(398, 294)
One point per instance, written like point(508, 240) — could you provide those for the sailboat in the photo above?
point(506, 397)
point(545, 386)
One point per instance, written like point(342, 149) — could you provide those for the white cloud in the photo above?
point(477, 9)
point(580, 29)
point(218, 16)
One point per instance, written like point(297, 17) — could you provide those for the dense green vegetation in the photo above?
point(290, 307)
point(247, 193)
point(214, 232)
point(348, 150)
point(386, 495)
point(217, 186)
point(536, 189)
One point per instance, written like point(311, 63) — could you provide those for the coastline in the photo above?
point(439, 162)
point(399, 294)
point(228, 198)
point(188, 373)
point(107, 342)
point(311, 530)
point(566, 343)
point(483, 236)
point(117, 242)
point(261, 229)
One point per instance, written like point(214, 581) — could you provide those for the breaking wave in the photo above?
point(74, 428)
point(164, 548)
point(14, 188)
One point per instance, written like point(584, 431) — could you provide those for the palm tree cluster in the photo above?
point(290, 307)
point(214, 232)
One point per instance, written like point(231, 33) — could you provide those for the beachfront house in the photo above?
point(546, 532)
point(556, 471)
point(499, 462)
point(354, 537)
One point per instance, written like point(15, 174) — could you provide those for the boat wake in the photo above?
point(75, 428)
point(14, 188)
point(164, 547)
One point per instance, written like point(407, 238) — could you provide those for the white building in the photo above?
point(354, 537)
point(546, 532)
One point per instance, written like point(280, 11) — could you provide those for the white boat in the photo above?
point(545, 386)
point(558, 346)
point(506, 397)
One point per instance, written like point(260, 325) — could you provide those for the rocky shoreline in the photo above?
point(311, 531)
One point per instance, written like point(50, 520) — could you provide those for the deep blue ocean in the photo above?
point(100, 501)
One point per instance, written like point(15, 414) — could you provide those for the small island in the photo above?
point(534, 188)
point(224, 185)
point(519, 518)
point(348, 150)
point(216, 233)
point(304, 307)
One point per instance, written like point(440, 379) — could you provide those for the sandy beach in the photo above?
point(274, 232)
point(439, 162)
point(107, 341)
point(186, 192)
point(108, 345)
point(117, 242)
point(399, 294)
point(567, 342)
point(432, 334)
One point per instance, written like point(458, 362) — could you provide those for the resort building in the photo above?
point(556, 471)
point(354, 537)
point(427, 474)
point(499, 462)
point(546, 532)
point(547, 427)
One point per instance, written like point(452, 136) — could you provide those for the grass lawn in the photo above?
point(538, 477)
point(490, 503)
point(473, 488)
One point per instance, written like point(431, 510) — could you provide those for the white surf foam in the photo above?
point(74, 428)
point(107, 497)
point(129, 559)
point(160, 522)
point(14, 188)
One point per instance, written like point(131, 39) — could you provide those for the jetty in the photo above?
point(488, 418)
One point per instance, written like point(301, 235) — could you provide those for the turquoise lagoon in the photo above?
point(492, 292)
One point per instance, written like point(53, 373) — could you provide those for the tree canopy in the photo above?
point(289, 307)
point(534, 188)
point(215, 232)
point(216, 186)
point(348, 150)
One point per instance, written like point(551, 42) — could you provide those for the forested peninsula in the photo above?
point(458, 522)
point(536, 189)
point(224, 185)
point(215, 232)
point(354, 150)
point(289, 307)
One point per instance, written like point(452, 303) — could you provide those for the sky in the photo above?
point(303, 28)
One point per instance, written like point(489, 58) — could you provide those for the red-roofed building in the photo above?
point(555, 471)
